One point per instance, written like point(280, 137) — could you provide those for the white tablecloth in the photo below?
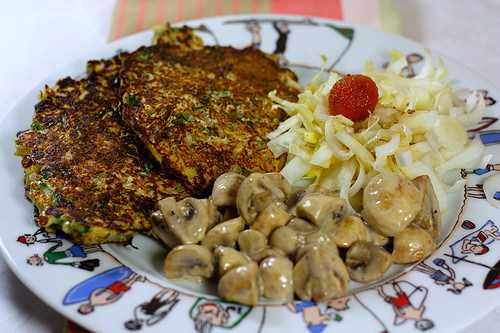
point(38, 36)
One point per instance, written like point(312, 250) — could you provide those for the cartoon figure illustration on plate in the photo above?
point(151, 312)
point(38, 236)
point(208, 313)
point(317, 319)
point(407, 301)
point(445, 277)
point(477, 242)
point(253, 27)
point(54, 257)
point(283, 30)
point(102, 289)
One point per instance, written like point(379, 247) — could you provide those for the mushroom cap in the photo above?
point(429, 216)
point(193, 262)
point(390, 203)
point(228, 258)
point(258, 191)
point(320, 275)
point(320, 208)
point(226, 188)
point(377, 238)
point(189, 218)
point(301, 226)
point(225, 233)
point(252, 242)
point(240, 285)
point(367, 262)
point(285, 239)
point(277, 278)
point(273, 216)
point(161, 230)
point(411, 245)
point(349, 230)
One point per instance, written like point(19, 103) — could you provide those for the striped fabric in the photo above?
point(137, 15)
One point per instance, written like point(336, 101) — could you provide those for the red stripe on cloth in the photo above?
point(180, 10)
point(120, 18)
point(160, 12)
point(140, 15)
point(236, 6)
point(199, 8)
point(218, 7)
point(330, 8)
point(254, 6)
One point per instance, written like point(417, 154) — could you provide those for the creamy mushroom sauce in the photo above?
point(256, 236)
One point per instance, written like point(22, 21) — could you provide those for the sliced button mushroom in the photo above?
point(273, 216)
point(390, 203)
point(225, 233)
point(411, 245)
point(315, 240)
point(161, 230)
point(429, 217)
point(367, 262)
point(349, 230)
point(320, 208)
point(277, 278)
point(228, 258)
point(240, 285)
point(252, 243)
point(285, 239)
point(226, 188)
point(320, 275)
point(194, 262)
point(376, 238)
point(301, 226)
point(189, 218)
point(258, 191)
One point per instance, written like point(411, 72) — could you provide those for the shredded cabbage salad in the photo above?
point(417, 128)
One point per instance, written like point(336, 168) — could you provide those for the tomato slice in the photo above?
point(353, 96)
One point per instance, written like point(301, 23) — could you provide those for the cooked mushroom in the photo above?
point(296, 196)
point(349, 230)
point(301, 226)
point(161, 230)
point(390, 203)
point(320, 275)
point(228, 258)
point(189, 218)
point(285, 239)
point(376, 238)
point(319, 208)
point(240, 285)
point(273, 216)
point(367, 262)
point(252, 243)
point(225, 233)
point(411, 245)
point(258, 191)
point(429, 217)
point(277, 278)
point(225, 189)
point(193, 262)
point(316, 239)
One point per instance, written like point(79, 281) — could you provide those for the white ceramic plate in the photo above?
point(447, 291)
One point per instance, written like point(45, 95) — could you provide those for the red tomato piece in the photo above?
point(354, 97)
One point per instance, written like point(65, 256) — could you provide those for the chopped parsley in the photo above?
point(143, 56)
point(131, 100)
point(36, 126)
point(182, 118)
point(220, 93)
point(146, 170)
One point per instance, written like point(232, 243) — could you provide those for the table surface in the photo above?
point(58, 31)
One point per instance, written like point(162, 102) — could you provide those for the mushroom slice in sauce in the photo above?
point(273, 216)
point(161, 230)
point(285, 239)
point(320, 208)
point(189, 218)
point(241, 285)
point(367, 262)
point(390, 203)
point(277, 278)
point(411, 245)
point(225, 233)
point(228, 258)
point(226, 188)
point(349, 230)
point(429, 216)
point(258, 191)
point(320, 275)
point(193, 262)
